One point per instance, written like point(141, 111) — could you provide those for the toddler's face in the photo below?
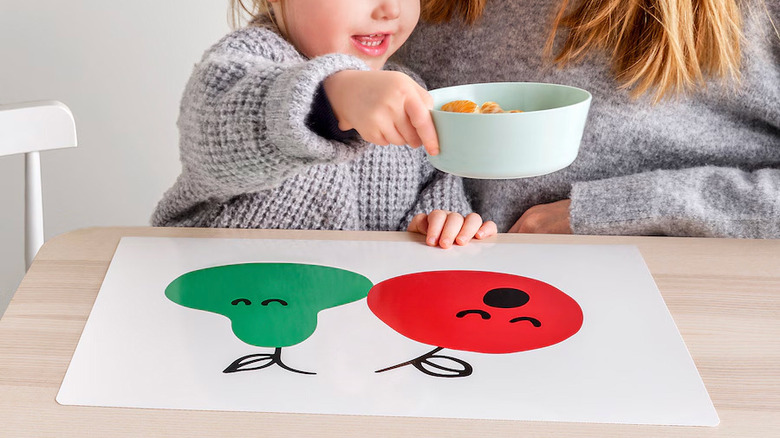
point(369, 29)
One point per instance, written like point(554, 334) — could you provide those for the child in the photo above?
point(269, 128)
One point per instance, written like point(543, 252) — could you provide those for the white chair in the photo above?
point(28, 128)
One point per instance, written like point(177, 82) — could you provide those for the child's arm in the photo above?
point(384, 107)
point(243, 115)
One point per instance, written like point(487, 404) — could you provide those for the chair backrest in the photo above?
point(28, 128)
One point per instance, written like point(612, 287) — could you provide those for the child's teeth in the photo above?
point(372, 43)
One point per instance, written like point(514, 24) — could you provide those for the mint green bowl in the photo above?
point(542, 139)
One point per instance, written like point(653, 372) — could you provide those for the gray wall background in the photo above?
point(121, 68)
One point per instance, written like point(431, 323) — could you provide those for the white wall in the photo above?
point(121, 68)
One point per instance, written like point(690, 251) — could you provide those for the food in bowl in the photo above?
point(467, 106)
point(460, 106)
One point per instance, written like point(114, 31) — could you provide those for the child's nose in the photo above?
point(387, 10)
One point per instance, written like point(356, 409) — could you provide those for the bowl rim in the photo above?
point(587, 100)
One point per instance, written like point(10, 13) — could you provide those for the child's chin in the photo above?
point(375, 63)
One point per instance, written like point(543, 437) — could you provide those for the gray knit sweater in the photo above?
point(705, 165)
point(249, 159)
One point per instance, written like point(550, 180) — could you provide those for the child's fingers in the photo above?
point(470, 227)
point(392, 135)
point(426, 97)
point(381, 140)
point(436, 220)
point(487, 229)
point(408, 132)
point(375, 137)
point(420, 117)
point(452, 226)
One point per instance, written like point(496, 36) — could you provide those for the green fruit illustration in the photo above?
point(269, 304)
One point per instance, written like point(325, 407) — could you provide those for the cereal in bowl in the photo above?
point(467, 106)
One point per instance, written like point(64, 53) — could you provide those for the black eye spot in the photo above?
point(481, 313)
point(271, 300)
point(240, 300)
point(505, 298)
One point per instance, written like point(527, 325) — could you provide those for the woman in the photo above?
point(683, 135)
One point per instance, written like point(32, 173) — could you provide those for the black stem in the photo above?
point(424, 359)
point(245, 363)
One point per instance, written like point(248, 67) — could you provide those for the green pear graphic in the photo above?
point(268, 304)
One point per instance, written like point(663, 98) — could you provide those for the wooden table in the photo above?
point(724, 295)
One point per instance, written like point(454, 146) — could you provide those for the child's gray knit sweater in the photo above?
point(249, 159)
point(706, 165)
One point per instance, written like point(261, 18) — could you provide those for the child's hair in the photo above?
point(660, 47)
point(251, 8)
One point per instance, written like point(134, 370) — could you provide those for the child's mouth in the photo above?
point(372, 45)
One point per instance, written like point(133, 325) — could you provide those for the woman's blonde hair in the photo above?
point(659, 47)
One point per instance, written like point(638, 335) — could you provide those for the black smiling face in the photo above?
point(503, 298)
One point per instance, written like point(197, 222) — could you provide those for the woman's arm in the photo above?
point(701, 201)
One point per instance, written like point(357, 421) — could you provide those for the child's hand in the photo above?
point(384, 107)
point(443, 228)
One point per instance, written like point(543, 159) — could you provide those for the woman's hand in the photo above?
point(384, 107)
point(552, 218)
point(444, 228)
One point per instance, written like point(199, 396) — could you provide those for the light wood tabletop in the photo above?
point(724, 296)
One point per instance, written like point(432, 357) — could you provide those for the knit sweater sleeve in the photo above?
point(243, 115)
point(701, 201)
point(443, 191)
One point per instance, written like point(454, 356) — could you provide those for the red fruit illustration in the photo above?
point(479, 311)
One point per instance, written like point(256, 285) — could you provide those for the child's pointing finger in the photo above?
point(420, 117)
